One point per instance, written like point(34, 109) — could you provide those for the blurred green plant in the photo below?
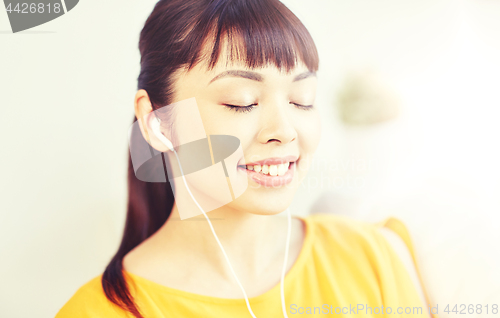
point(365, 98)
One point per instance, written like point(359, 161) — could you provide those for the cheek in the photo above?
point(309, 133)
point(220, 121)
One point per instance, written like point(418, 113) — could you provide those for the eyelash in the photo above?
point(248, 108)
point(240, 109)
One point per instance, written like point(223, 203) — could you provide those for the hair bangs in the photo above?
point(257, 33)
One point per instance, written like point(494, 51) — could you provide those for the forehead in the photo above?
point(201, 74)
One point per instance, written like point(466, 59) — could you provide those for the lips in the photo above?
point(271, 172)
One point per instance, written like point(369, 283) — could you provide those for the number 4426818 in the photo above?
point(472, 309)
point(34, 8)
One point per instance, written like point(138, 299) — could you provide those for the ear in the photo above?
point(144, 113)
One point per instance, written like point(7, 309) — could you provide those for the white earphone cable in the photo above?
point(283, 305)
point(216, 238)
point(227, 258)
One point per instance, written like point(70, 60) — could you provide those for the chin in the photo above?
point(259, 203)
point(268, 211)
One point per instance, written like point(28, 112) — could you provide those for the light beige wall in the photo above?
point(66, 94)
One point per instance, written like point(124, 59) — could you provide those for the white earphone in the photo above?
point(155, 125)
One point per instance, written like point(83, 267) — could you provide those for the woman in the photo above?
point(251, 67)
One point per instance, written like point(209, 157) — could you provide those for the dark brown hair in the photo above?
point(180, 34)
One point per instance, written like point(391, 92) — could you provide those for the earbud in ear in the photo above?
point(155, 126)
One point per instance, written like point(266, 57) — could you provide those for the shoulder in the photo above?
point(341, 228)
point(90, 301)
point(398, 237)
point(339, 238)
point(332, 225)
point(378, 243)
point(384, 247)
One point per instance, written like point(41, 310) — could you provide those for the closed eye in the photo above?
point(241, 109)
point(300, 106)
point(247, 108)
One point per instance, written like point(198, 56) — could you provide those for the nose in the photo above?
point(277, 124)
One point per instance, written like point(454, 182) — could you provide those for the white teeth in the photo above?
point(273, 170)
point(265, 169)
point(282, 169)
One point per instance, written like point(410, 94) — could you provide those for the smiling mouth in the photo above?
point(270, 170)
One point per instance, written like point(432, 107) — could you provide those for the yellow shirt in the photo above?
point(346, 268)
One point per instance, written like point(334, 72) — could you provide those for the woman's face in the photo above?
point(274, 117)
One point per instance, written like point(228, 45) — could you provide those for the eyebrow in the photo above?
point(256, 76)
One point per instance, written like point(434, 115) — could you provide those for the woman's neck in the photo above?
point(252, 242)
point(183, 254)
